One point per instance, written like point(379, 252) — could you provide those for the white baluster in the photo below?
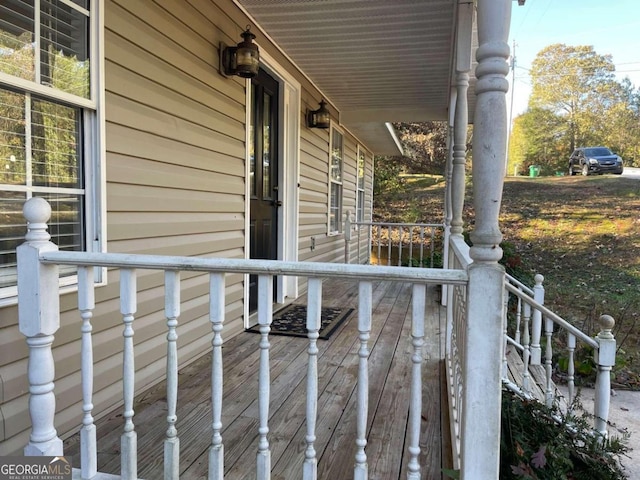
point(548, 361)
point(216, 313)
point(571, 368)
point(536, 326)
point(379, 234)
point(347, 237)
point(410, 229)
point(359, 240)
point(39, 319)
point(314, 305)
point(364, 327)
point(415, 413)
point(172, 312)
point(400, 231)
point(128, 440)
point(605, 358)
point(422, 248)
point(526, 357)
point(526, 320)
point(265, 316)
point(505, 324)
point(461, 356)
point(86, 304)
point(518, 316)
point(432, 242)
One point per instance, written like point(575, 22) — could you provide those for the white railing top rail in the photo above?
point(398, 224)
point(514, 281)
point(554, 317)
point(273, 267)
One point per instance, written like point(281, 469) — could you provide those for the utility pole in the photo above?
point(513, 83)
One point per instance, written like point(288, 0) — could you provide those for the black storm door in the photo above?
point(263, 176)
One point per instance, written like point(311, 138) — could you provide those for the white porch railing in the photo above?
point(39, 319)
point(527, 320)
point(529, 316)
point(399, 244)
point(455, 344)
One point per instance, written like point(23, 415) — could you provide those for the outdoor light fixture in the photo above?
point(318, 118)
point(242, 60)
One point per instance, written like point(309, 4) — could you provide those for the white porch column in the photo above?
point(39, 319)
point(461, 116)
point(480, 439)
point(446, 261)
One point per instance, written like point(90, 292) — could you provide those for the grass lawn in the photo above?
point(581, 233)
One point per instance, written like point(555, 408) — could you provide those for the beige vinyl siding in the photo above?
point(175, 140)
point(314, 192)
point(175, 167)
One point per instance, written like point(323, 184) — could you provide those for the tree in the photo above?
point(573, 82)
point(425, 151)
point(537, 139)
point(575, 101)
point(424, 145)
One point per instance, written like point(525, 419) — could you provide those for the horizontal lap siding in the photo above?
point(175, 170)
point(175, 141)
point(314, 191)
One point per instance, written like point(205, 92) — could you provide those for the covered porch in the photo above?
point(368, 402)
point(387, 425)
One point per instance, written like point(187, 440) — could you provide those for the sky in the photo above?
point(610, 26)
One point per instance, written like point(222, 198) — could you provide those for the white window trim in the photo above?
point(95, 221)
point(335, 128)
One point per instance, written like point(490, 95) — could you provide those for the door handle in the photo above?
point(276, 203)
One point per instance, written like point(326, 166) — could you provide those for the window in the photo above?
point(335, 182)
point(48, 113)
point(360, 186)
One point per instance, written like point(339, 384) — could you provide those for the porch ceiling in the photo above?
point(376, 61)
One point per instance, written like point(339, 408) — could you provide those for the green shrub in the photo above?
point(539, 442)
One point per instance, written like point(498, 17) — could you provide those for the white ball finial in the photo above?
point(606, 322)
point(37, 211)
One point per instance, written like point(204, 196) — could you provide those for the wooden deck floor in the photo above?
point(390, 373)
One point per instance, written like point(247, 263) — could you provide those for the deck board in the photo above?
point(389, 382)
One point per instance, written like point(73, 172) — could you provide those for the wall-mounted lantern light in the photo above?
point(319, 118)
point(242, 60)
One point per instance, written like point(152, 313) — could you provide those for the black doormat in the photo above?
point(292, 321)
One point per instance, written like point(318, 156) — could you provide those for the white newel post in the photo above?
point(480, 440)
point(39, 319)
point(536, 321)
point(605, 358)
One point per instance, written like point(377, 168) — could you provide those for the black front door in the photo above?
point(263, 176)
